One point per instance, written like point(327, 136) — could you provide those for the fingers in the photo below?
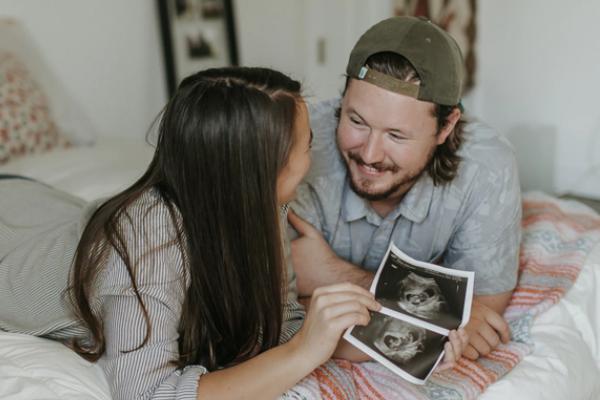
point(464, 337)
point(348, 307)
point(345, 321)
point(497, 322)
point(458, 341)
point(480, 344)
point(300, 225)
point(489, 335)
point(449, 357)
point(453, 348)
point(341, 306)
point(324, 300)
point(341, 287)
point(471, 353)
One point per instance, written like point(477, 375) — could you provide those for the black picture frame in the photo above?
point(196, 34)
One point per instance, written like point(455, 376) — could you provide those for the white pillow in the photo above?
point(34, 368)
point(68, 116)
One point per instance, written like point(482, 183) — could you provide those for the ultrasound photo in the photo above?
point(421, 303)
point(433, 296)
point(409, 348)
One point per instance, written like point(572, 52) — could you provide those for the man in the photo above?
point(394, 161)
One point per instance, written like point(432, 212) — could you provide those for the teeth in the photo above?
point(370, 169)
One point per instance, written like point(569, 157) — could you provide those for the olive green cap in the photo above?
point(431, 50)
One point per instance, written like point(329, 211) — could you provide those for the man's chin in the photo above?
point(372, 194)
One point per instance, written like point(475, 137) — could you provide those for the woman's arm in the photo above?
point(265, 376)
point(148, 372)
point(333, 309)
point(145, 372)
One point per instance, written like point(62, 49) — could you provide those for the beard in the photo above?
point(400, 185)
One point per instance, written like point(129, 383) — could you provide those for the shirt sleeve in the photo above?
point(146, 372)
point(488, 233)
point(307, 206)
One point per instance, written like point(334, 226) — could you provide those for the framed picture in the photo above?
point(196, 34)
point(457, 17)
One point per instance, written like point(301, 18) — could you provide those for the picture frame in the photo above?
point(457, 17)
point(196, 35)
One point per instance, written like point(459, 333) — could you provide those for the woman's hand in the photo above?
point(454, 348)
point(333, 309)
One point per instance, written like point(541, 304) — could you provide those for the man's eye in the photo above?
point(355, 121)
point(395, 136)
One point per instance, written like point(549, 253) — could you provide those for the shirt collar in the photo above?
point(414, 206)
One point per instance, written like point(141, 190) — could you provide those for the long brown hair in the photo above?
point(443, 167)
point(223, 138)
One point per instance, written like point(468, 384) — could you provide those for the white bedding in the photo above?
point(89, 172)
point(564, 365)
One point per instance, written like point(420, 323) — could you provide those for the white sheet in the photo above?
point(32, 368)
point(564, 365)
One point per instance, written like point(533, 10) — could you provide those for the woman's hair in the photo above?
point(445, 162)
point(223, 138)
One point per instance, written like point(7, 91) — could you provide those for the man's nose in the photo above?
point(372, 150)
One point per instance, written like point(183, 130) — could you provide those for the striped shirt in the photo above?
point(39, 231)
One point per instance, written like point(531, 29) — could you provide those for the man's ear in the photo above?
point(451, 121)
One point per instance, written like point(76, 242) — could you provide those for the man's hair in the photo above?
point(445, 162)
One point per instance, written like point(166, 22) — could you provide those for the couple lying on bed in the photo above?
point(180, 286)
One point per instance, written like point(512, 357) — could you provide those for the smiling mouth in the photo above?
point(370, 170)
point(375, 169)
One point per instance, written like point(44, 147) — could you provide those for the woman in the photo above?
point(178, 283)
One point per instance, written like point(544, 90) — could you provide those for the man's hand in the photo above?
point(486, 329)
point(316, 264)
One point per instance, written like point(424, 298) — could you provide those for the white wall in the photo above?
point(537, 67)
point(538, 82)
point(270, 33)
point(106, 52)
point(285, 34)
point(536, 72)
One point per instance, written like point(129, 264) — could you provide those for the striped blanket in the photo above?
point(557, 238)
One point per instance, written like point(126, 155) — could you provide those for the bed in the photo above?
point(564, 364)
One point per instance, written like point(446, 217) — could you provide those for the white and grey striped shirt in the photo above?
point(39, 230)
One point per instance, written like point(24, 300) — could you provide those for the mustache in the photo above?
point(379, 166)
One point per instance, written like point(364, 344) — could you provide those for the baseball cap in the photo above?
point(432, 52)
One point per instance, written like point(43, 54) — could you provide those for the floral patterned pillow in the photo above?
point(26, 125)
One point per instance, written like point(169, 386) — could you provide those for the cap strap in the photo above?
point(389, 83)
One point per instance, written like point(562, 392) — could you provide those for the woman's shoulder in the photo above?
point(152, 215)
point(149, 232)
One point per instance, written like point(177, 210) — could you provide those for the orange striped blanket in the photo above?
point(557, 238)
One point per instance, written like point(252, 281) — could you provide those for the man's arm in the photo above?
point(487, 241)
point(497, 302)
point(316, 264)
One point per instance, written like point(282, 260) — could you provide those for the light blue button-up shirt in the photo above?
point(472, 223)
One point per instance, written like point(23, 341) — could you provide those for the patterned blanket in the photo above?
point(557, 238)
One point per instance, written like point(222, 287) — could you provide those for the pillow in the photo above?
point(26, 125)
point(69, 118)
point(40, 369)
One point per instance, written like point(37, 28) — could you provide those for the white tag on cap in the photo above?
point(363, 72)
